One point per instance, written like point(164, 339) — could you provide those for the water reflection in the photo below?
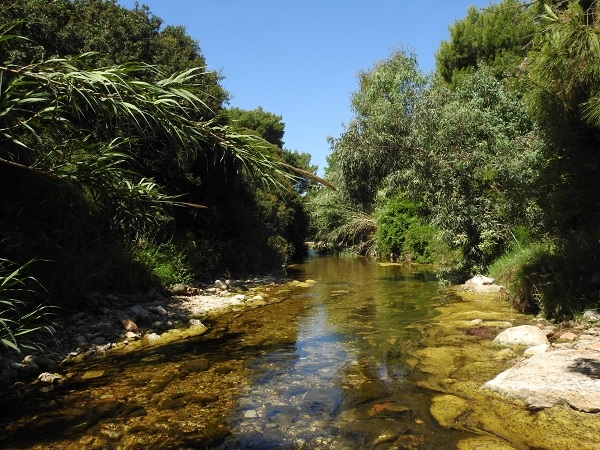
point(327, 391)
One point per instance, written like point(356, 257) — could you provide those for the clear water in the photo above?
point(360, 360)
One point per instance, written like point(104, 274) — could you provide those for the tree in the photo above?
point(376, 142)
point(476, 162)
point(499, 36)
point(115, 35)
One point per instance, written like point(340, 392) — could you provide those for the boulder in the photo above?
point(555, 377)
point(522, 335)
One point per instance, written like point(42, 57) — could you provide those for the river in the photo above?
point(363, 356)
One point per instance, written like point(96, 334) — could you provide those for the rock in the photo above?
point(480, 280)
point(446, 409)
point(522, 335)
point(30, 369)
point(537, 404)
point(179, 289)
point(250, 414)
point(127, 323)
point(152, 338)
point(94, 299)
point(568, 336)
point(42, 363)
point(202, 398)
point(221, 285)
point(196, 365)
point(141, 314)
point(591, 315)
point(159, 310)
point(536, 350)
point(484, 443)
point(50, 378)
point(559, 376)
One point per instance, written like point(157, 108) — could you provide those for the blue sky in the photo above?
point(299, 59)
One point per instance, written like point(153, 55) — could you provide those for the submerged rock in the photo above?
point(446, 409)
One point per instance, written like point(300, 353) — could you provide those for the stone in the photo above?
point(559, 376)
point(196, 365)
point(446, 409)
point(179, 289)
point(30, 369)
point(221, 285)
point(152, 338)
point(536, 350)
point(537, 404)
point(141, 314)
point(591, 315)
point(50, 378)
point(127, 323)
point(568, 336)
point(522, 335)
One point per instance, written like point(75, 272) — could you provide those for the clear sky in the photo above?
point(299, 59)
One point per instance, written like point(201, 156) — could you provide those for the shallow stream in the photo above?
point(369, 356)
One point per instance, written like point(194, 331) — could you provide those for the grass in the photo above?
point(21, 322)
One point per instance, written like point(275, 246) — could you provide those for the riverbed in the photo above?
point(363, 355)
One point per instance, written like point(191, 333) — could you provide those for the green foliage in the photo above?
point(377, 141)
point(268, 126)
point(20, 322)
point(478, 143)
point(560, 282)
point(165, 262)
point(498, 36)
point(401, 233)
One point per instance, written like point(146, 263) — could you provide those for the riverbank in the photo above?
point(114, 321)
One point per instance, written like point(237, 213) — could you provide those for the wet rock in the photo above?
point(446, 409)
point(221, 285)
point(41, 362)
point(202, 398)
point(522, 335)
point(196, 365)
point(30, 369)
point(484, 443)
point(171, 403)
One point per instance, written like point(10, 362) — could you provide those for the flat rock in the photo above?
point(566, 377)
point(522, 335)
point(446, 409)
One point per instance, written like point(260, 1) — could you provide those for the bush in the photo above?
point(558, 280)
point(401, 233)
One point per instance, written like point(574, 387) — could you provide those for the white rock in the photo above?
point(522, 335)
point(50, 378)
point(536, 349)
